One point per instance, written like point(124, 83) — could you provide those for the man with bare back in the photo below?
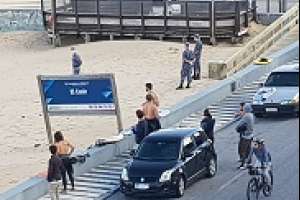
point(151, 115)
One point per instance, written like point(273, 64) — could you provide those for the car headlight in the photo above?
point(166, 176)
point(124, 175)
point(286, 102)
point(296, 98)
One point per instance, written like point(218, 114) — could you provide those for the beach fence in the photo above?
point(209, 19)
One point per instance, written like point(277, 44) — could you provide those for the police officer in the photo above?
point(197, 55)
point(187, 65)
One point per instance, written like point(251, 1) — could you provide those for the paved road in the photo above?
point(282, 139)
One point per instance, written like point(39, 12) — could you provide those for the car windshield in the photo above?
point(158, 150)
point(283, 79)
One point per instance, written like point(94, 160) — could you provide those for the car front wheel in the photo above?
point(212, 167)
point(180, 187)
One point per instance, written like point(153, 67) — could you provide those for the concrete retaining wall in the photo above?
point(37, 187)
point(21, 20)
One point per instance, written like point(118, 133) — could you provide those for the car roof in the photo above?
point(172, 134)
point(287, 68)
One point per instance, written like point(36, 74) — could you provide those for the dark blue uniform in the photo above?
point(197, 63)
point(187, 66)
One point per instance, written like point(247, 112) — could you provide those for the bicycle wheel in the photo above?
point(253, 190)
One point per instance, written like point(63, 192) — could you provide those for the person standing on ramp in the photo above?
point(187, 65)
point(197, 55)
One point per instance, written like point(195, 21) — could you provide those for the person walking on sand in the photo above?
point(64, 150)
point(151, 115)
point(197, 55)
point(76, 61)
point(187, 65)
point(55, 171)
point(149, 90)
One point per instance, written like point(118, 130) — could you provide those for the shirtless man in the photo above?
point(149, 90)
point(151, 115)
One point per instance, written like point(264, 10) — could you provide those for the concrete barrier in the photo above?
point(220, 70)
point(37, 187)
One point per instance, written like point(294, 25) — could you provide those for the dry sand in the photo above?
point(25, 55)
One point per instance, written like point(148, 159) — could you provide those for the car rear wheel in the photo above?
point(212, 167)
point(180, 187)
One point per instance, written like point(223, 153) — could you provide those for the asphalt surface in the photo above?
point(282, 140)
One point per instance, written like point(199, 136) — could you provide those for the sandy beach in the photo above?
point(24, 55)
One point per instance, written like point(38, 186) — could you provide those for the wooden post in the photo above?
point(45, 112)
point(284, 6)
point(98, 16)
point(268, 6)
point(237, 28)
point(247, 14)
point(43, 14)
point(165, 17)
point(212, 20)
point(254, 7)
point(143, 19)
point(121, 17)
point(187, 17)
point(53, 17)
point(76, 15)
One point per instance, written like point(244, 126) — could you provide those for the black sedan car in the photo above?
point(168, 161)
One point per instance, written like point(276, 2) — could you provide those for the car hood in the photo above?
point(144, 168)
point(276, 94)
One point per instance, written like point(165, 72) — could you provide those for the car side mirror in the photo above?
point(261, 85)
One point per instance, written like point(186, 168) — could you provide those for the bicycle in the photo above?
point(258, 183)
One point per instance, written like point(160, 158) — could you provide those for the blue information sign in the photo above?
point(79, 95)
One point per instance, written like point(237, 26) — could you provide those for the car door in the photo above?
point(201, 152)
point(190, 162)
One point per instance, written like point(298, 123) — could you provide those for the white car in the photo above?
point(280, 93)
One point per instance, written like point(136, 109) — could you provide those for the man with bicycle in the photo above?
point(263, 158)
